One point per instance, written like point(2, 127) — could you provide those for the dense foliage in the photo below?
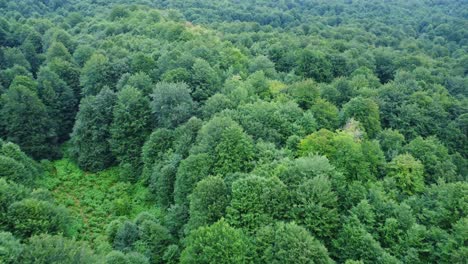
point(208, 131)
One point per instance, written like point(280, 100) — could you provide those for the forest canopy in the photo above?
point(184, 131)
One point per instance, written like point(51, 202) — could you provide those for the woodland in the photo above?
point(217, 131)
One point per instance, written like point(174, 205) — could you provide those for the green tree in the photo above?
point(391, 142)
point(158, 144)
point(68, 72)
point(59, 100)
point(262, 63)
point(354, 242)
point(9, 74)
point(435, 158)
point(171, 104)
point(14, 56)
point(326, 114)
point(315, 207)
point(218, 243)
point(234, 153)
point(314, 64)
point(304, 93)
point(163, 179)
point(11, 248)
point(13, 170)
point(289, 243)
point(210, 134)
point(130, 127)
point(91, 132)
point(153, 240)
point(118, 257)
point(139, 80)
point(191, 170)
point(58, 50)
point(10, 192)
point(125, 237)
point(26, 122)
point(55, 249)
point(95, 74)
point(31, 217)
point(408, 173)
point(11, 150)
point(82, 54)
point(215, 104)
point(208, 202)
point(384, 65)
point(256, 201)
point(364, 110)
point(205, 80)
point(342, 149)
point(274, 121)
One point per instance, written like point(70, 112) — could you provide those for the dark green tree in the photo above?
point(91, 132)
point(30, 217)
point(326, 114)
point(205, 80)
point(154, 149)
point(58, 50)
point(256, 201)
point(95, 74)
point(391, 142)
point(69, 73)
point(130, 127)
point(27, 123)
point(314, 64)
point(153, 240)
point(163, 179)
point(304, 93)
point(11, 248)
point(171, 104)
point(139, 80)
point(316, 207)
point(191, 170)
point(354, 242)
point(435, 158)
point(59, 100)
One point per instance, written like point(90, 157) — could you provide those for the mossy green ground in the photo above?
point(94, 199)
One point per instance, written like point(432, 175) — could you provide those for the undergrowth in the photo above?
point(94, 199)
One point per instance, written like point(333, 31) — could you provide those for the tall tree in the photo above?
point(205, 80)
point(314, 64)
point(95, 74)
point(218, 243)
point(316, 207)
point(364, 110)
point(408, 173)
point(289, 243)
point(130, 128)
point(208, 202)
point(234, 153)
point(27, 123)
point(91, 133)
point(171, 104)
point(59, 100)
point(256, 201)
point(435, 158)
